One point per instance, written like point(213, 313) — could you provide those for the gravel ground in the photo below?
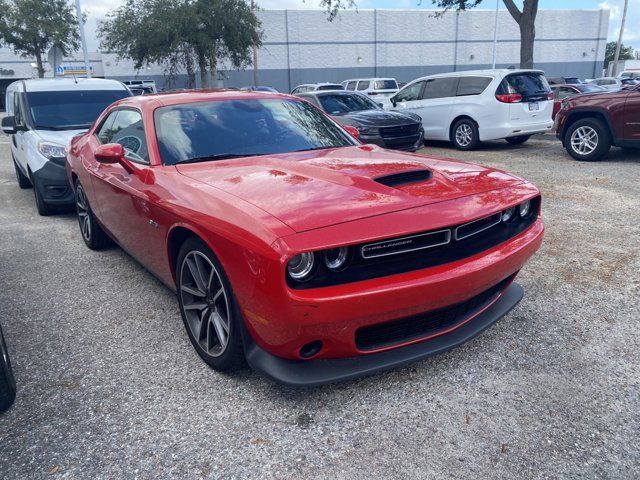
point(109, 386)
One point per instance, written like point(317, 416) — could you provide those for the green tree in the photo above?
point(626, 53)
point(183, 33)
point(31, 27)
point(525, 18)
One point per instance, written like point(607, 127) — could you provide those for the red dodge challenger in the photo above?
point(292, 246)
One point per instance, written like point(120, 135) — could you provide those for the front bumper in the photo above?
point(52, 183)
point(318, 372)
point(408, 143)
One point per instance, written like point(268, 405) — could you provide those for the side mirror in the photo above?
point(351, 130)
point(9, 125)
point(111, 153)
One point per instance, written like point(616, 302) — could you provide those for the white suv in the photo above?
point(42, 117)
point(469, 107)
point(379, 89)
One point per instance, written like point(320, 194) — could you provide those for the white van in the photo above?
point(379, 89)
point(473, 106)
point(42, 117)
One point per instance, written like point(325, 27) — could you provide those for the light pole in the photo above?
point(614, 71)
point(82, 39)
point(495, 35)
point(255, 54)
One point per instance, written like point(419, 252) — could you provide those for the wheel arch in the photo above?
point(580, 114)
point(176, 237)
point(457, 119)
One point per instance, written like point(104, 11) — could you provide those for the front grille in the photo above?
point(399, 331)
point(400, 131)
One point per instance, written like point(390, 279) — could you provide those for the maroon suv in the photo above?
point(589, 124)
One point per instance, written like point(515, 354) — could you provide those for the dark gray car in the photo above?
point(395, 130)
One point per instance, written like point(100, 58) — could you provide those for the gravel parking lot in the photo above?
point(109, 386)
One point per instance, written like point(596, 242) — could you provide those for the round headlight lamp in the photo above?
point(336, 258)
point(301, 266)
point(508, 214)
point(525, 208)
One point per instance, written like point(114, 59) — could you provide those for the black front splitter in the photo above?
point(318, 372)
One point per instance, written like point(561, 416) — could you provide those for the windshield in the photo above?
point(235, 128)
point(339, 104)
point(527, 84)
point(69, 110)
point(385, 85)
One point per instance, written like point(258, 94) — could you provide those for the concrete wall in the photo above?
point(301, 46)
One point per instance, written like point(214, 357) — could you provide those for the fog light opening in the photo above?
point(311, 349)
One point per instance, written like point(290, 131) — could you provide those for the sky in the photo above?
point(97, 9)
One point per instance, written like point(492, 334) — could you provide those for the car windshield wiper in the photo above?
point(217, 156)
point(317, 148)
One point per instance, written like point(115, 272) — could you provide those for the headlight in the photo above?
point(508, 214)
point(336, 258)
point(369, 131)
point(301, 266)
point(525, 208)
point(52, 151)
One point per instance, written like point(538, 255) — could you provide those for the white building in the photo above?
point(301, 46)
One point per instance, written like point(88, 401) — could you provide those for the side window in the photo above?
point(440, 88)
point(351, 85)
point(104, 133)
point(409, 93)
point(127, 130)
point(565, 92)
point(472, 85)
point(363, 84)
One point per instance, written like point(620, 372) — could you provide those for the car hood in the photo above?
point(309, 190)
point(61, 137)
point(376, 118)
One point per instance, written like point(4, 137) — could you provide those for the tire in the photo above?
point(464, 135)
point(7, 380)
point(92, 233)
point(519, 140)
point(43, 207)
point(595, 134)
point(208, 307)
point(23, 180)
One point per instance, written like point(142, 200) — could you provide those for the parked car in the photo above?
point(258, 88)
point(312, 87)
point(42, 117)
point(467, 108)
point(399, 131)
point(560, 92)
point(148, 86)
point(374, 87)
point(629, 82)
point(7, 380)
point(588, 125)
point(564, 80)
point(290, 244)
point(634, 74)
point(610, 83)
point(141, 90)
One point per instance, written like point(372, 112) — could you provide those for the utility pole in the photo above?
point(495, 35)
point(614, 72)
point(82, 39)
point(255, 54)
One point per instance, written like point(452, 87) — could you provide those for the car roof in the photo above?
point(319, 93)
point(65, 84)
point(488, 72)
point(194, 96)
point(368, 78)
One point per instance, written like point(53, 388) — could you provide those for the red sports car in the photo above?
point(292, 245)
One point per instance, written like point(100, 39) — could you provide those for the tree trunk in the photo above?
point(526, 20)
point(39, 63)
point(204, 77)
point(527, 38)
point(213, 65)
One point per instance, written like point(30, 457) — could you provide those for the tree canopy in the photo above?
point(183, 34)
point(31, 27)
point(626, 53)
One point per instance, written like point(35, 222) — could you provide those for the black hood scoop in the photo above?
point(404, 178)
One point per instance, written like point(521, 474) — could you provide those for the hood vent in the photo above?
point(404, 178)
